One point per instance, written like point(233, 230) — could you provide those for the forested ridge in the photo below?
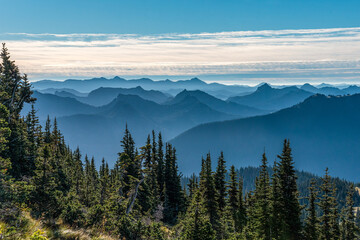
point(46, 187)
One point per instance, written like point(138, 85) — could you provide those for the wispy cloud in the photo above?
point(278, 55)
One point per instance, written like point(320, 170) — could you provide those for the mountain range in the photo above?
point(322, 128)
point(324, 131)
point(98, 128)
point(105, 95)
point(146, 83)
point(272, 99)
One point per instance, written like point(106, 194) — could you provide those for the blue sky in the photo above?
point(235, 41)
point(169, 16)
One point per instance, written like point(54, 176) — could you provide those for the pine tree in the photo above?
point(196, 224)
point(275, 204)
point(192, 186)
point(128, 144)
point(128, 163)
point(47, 137)
point(77, 174)
point(45, 197)
point(260, 219)
point(290, 207)
point(350, 227)
point(104, 180)
point(220, 183)
point(14, 88)
point(160, 168)
point(233, 202)
point(329, 225)
point(174, 198)
point(5, 164)
point(241, 213)
point(311, 222)
point(208, 191)
point(34, 139)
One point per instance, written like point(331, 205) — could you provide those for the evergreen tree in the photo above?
point(5, 164)
point(290, 207)
point(77, 174)
point(241, 213)
point(197, 225)
point(220, 183)
point(233, 197)
point(128, 144)
point(208, 191)
point(350, 227)
point(174, 198)
point(104, 181)
point(329, 225)
point(192, 186)
point(34, 139)
point(311, 221)
point(260, 219)
point(160, 168)
point(275, 204)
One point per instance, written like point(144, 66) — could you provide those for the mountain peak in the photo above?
point(264, 87)
point(197, 80)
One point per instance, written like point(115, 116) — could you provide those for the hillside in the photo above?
point(324, 132)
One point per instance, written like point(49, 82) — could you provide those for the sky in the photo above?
point(232, 41)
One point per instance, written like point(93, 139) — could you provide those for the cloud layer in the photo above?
point(315, 55)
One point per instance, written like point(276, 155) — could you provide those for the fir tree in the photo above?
point(290, 207)
point(5, 164)
point(328, 230)
point(233, 197)
point(350, 227)
point(174, 198)
point(241, 213)
point(160, 168)
point(208, 191)
point(104, 180)
point(34, 138)
point(192, 186)
point(261, 211)
point(275, 204)
point(220, 183)
point(311, 221)
point(197, 225)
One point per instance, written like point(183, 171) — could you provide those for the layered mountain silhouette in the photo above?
point(97, 129)
point(324, 132)
point(272, 99)
point(105, 95)
point(56, 106)
point(331, 90)
point(217, 104)
point(174, 87)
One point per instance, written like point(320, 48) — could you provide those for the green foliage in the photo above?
point(196, 224)
point(311, 222)
point(38, 235)
point(329, 219)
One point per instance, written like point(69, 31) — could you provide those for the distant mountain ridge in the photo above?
point(324, 132)
point(104, 95)
point(272, 99)
point(80, 121)
point(217, 104)
point(146, 83)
